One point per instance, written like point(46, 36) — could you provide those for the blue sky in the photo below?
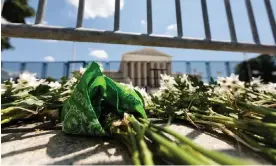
point(133, 19)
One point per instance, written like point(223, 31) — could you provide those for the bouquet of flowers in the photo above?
point(243, 111)
point(90, 103)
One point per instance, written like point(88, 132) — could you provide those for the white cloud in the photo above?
point(97, 8)
point(49, 58)
point(172, 27)
point(143, 22)
point(101, 54)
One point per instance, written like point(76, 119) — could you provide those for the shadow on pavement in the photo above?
point(73, 148)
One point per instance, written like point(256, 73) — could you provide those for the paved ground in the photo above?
point(55, 147)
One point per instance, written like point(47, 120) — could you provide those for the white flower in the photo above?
point(11, 81)
point(221, 81)
point(167, 82)
point(3, 88)
point(184, 78)
point(234, 80)
point(158, 94)
point(29, 79)
point(231, 84)
point(221, 90)
point(256, 81)
point(82, 70)
point(54, 85)
point(71, 81)
point(146, 97)
point(270, 88)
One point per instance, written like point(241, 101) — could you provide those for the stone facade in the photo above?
point(142, 67)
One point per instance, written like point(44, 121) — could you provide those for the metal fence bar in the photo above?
point(178, 18)
point(89, 35)
point(22, 67)
point(228, 70)
point(149, 17)
point(206, 20)
point(188, 67)
point(80, 13)
point(2, 5)
point(252, 21)
point(230, 20)
point(40, 11)
point(271, 18)
point(117, 15)
point(208, 70)
point(44, 70)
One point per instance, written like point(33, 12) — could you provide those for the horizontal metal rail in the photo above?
point(90, 35)
point(81, 34)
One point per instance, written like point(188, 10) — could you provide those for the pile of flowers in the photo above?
point(244, 111)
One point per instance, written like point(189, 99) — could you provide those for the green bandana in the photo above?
point(81, 112)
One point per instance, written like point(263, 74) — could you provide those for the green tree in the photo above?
point(263, 66)
point(15, 11)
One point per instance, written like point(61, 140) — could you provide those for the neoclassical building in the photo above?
point(142, 67)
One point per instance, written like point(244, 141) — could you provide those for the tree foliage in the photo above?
point(15, 11)
point(263, 66)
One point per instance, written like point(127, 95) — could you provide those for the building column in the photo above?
point(138, 71)
point(158, 66)
point(169, 67)
point(145, 73)
point(125, 71)
point(132, 72)
point(148, 73)
point(152, 74)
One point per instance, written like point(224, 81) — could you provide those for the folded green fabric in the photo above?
point(81, 112)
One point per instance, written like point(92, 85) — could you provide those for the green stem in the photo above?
point(10, 118)
point(9, 109)
point(184, 157)
point(217, 157)
point(271, 153)
point(257, 109)
point(200, 157)
point(146, 153)
point(135, 151)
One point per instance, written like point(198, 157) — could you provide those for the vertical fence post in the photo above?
point(85, 63)
point(108, 67)
point(230, 20)
point(117, 16)
point(66, 69)
point(271, 18)
point(149, 17)
point(40, 11)
point(2, 5)
point(228, 70)
point(44, 70)
point(80, 13)
point(23, 67)
point(208, 70)
point(252, 21)
point(178, 18)
point(206, 19)
point(188, 65)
